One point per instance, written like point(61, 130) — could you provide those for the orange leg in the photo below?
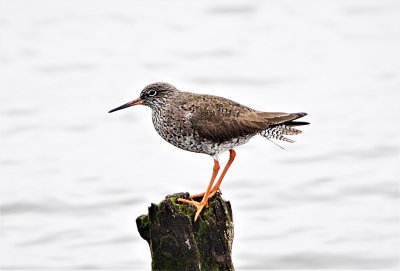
point(196, 196)
point(204, 201)
point(215, 189)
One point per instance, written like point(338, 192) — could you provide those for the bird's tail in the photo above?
point(281, 130)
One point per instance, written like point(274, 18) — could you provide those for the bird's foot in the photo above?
point(212, 194)
point(198, 205)
point(201, 195)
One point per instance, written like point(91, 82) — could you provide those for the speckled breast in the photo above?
point(176, 128)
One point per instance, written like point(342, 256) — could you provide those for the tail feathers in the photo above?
point(283, 138)
point(288, 130)
point(299, 115)
point(284, 125)
point(296, 123)
point(279, 132)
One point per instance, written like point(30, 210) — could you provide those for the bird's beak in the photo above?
point(134, 102)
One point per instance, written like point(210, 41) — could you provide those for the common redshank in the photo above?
point(211, 125)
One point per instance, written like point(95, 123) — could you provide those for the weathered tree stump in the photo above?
point(178, 243)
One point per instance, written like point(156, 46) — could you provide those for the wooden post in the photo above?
point(178, 243)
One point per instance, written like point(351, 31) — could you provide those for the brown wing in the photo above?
point(219, 119)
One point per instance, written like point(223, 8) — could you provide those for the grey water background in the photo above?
point(74, 178)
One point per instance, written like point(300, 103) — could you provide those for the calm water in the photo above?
point(74, 178)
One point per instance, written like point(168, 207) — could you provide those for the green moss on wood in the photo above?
point(142, 223)
point(178, 243)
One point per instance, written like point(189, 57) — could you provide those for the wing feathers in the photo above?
point(222, 120)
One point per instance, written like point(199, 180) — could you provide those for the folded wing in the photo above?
point(226, 120)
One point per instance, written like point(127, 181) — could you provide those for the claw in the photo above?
point(212, 193)
point(196, 196)
point(199, 205)
point(192, 202)
point(199, 209)
point(211, 190)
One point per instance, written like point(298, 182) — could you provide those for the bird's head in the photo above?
point(154, 96)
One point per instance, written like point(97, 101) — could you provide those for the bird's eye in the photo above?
point(152, 93)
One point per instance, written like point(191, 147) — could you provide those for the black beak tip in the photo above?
point(121, 107)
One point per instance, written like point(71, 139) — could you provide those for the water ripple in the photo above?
point(225, 52)
point(239, 81)
point(21, 112)
point(376, 152)
point(58, 207)
point(368, 9)
point(226, 10)
point(53, 238)
point(75, 67)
